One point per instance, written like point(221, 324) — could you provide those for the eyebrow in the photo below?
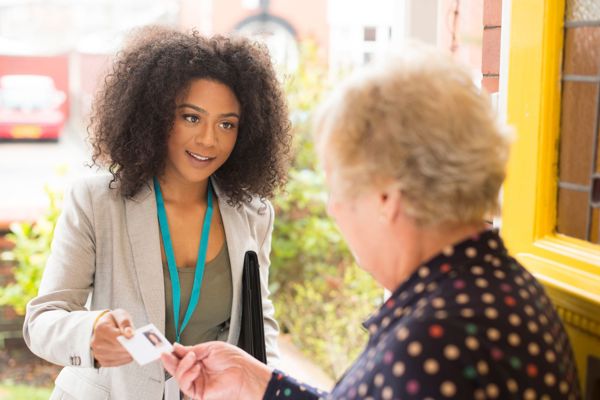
point(203, 111)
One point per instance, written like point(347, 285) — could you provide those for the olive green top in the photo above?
point(211, 316)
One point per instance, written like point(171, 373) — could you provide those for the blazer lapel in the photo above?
point(237, 233)
point(142, 227)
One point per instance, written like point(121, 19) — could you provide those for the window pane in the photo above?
point(595, 228)
point(572, 213)
point(370, 34)
point(583, 10)
point(577, 131)
point(582, 51)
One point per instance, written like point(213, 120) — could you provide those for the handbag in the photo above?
point(252, 335)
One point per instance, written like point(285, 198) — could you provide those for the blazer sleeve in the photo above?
point(271, 326)
point(58, 326)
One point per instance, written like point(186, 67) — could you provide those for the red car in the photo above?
point(30, 107)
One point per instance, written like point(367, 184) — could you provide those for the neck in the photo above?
point(420, 244)
point(178, 190)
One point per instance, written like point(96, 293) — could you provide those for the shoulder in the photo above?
point(93, 189)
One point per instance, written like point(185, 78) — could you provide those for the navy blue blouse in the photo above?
point(471, 323)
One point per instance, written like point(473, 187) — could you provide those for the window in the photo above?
point(579, 159)
point(370, 34)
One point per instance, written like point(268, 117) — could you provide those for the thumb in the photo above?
point(123, 321)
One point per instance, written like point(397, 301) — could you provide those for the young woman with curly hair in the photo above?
point(195, 134)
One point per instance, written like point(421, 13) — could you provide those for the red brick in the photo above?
point(490, 83)
point(492, 13)
point(491, 51)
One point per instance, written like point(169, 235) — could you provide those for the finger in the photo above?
point(187, 380)
point(185, 364)
point(180, 351)
point(123, 321)
point(170, 362)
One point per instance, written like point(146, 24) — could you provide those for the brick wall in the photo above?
point(492, 27)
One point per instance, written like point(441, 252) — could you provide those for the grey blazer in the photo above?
point(106, 255)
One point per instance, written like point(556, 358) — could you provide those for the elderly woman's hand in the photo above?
point(217, 370)
point(107, 350)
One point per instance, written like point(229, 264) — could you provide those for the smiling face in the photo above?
point(204, 132)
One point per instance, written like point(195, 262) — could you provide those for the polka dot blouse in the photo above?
point(469, 324)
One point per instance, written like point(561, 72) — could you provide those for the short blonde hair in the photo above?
point(417, 119)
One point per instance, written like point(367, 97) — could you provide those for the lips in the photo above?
point(199, 157)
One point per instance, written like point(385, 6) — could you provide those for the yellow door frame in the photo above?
point(569, 268)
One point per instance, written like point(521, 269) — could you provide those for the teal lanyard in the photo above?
point(199, 274)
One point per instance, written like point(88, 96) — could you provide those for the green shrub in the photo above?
point(321, 296)
point(32, 247)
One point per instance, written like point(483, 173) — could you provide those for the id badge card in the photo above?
point(172, 389)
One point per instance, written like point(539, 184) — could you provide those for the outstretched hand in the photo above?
point(217, 370)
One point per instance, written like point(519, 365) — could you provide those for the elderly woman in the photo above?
point(414, 160)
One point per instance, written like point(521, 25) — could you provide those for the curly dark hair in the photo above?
point(134, 112)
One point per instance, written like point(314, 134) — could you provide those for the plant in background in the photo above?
point(321, 296)
point(32, 247)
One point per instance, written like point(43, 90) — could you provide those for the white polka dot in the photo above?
point(448, 389)
point(423, 272)
point(451, 352)
point(462, 298)
point(496, 262)
point(545, 397)
point(385, 322)
point(398, 369)
point(414, 349)
point(431, 366)
point(524, 294)
point(483, 368)
point(472, 343)
point(529, 310)
point(543, 319)
point(372, 328)
point(532, 326)
point(549, 379)
point(499, 274)
point(491, 313)
point(488, 298)
point(441, 314)
point(479, 394)
point(550, 356)
point(379, 380)
point(512, 386)
point(529, 394)
point(547, 338)
point(492, 391)
point(402, 333)
point(419, 287)
point(481, 283)
point(533, 348)
point(563, 387)
point(492, 244)
point(448, 251)
point(438, 302)
point(493, 334)
point(514, 320)
point(398, 312)
point(467, 312)
point(471, 252)
point(477, 270)
point(519, 281)
point(514, 339)
point(387, 393)
point(432, 286)
point(362, 389)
